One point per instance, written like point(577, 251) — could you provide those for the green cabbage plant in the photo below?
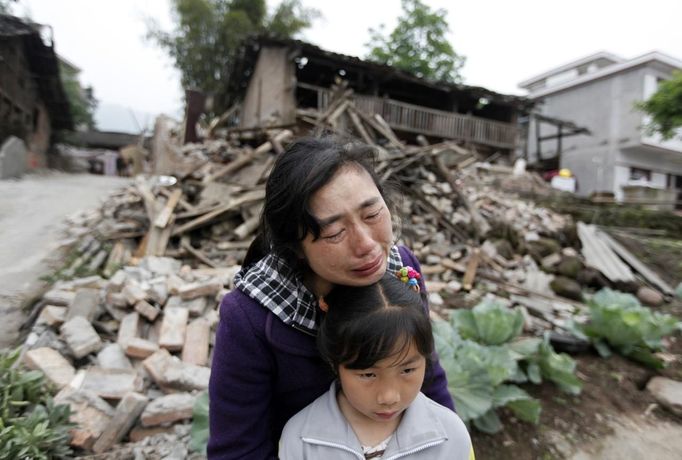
point(619, 321)
point(484, 357)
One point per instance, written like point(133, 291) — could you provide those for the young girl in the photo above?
point(378, 341)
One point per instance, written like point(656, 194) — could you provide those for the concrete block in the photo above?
point(12, 158)
point(200, 289)
point(117, 281)
point(130, 325)
point(168, 409)
point(111, 383)
point(85, 303)
point(89, 412)
point(52, 315)
point(55, 367)
point(174, 283)
point(172, 374)
point(127, 411)
point(112, 356)
point(133, 292)
point(59, 297)
point(195, 350)
point(80, 336)
point(160, 265)
point(147, 310)
point(139, 348)
point(158, 291)
point(138, 433)
point(173, 328)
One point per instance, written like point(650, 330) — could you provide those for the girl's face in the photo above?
point(382, 392)
point(356, 233)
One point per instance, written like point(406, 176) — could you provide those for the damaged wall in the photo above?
point(270, 97)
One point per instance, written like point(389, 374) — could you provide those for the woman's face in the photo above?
point(356, 233)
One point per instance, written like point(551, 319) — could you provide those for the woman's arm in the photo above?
point(240, 389)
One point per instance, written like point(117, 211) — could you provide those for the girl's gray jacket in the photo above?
point(426, 431)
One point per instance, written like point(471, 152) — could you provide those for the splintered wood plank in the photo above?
point(252, 195)
point(165, 214)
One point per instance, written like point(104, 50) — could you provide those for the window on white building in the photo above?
point(640, 174)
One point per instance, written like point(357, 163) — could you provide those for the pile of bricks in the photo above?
point(131, 353)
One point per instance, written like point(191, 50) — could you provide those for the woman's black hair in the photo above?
point(305, 166)
point(366, 324)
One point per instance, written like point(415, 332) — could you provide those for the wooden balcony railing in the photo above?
point(422, 120)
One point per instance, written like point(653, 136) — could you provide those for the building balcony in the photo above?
point(411, 118)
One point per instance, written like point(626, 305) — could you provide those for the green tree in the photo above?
point(6, 6)
point(81, 99)
point(665, 107)
point(418, 44)
point(207, 35)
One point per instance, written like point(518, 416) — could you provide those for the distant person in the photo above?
point(326, 221)
point(379, 344)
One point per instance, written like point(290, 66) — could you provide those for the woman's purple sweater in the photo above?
point(264, 372)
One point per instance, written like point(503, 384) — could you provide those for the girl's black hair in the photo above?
point(305, 166)
point(366, 324)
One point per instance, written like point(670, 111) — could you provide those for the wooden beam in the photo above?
point(253, 195)
point(165, 214)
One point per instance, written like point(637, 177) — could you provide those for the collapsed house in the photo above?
point(32, 100)
point(282, 78)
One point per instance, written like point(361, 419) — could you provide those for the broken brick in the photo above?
point(173, 328)
point(55, 367)
point(80, 336)
point(168, 409)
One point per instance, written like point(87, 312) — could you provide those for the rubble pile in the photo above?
point(129, 346)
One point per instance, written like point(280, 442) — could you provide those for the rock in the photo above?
point(81, 337)
point(173, 328)
point(591, 277)
point(549, 262)
point(89, 412)
point(139, 348)
point(542, 247)
point(504, 249)
point(111, 383)
point(147, 310)
point(200, 289)
point(112, 356)
point(195, 350)
point(570, 267)
point(59, 297)
point(435, 299)
point(566, 287)
point(169, 372)
point(129, 328)
point(55, 367)
point(168, 409)
point(117, 281)
point(52, 315)
point(133, 292)
point(667, 392)
point(649, 296)
point(678, 291)
point(160, 265)
point(454, 286)
point(127, 411)
point(85, 303)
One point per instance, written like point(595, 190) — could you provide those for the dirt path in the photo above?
point(636, 439)
point(32, 211)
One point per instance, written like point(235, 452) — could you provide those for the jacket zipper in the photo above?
point(362, 457)
point(416, 449)
point(302, 329)
point(333, 444)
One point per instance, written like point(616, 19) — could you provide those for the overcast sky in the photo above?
point(504, 41)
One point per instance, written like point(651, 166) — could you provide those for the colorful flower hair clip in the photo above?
point(409, 276)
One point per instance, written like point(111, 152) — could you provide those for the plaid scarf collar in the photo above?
point(273, 283)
